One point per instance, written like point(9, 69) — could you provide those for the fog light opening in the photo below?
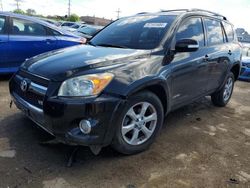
point(85, 126)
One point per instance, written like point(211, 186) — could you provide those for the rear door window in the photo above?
point(214, 32)
point(191, 29)
point(2, 24)
point(229, 31)
point(26, 27)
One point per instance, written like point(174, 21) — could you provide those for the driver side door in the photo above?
point(189, 69)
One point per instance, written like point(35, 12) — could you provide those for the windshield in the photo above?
point(138, 32)
point(88, 30)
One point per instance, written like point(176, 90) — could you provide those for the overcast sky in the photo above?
point(237, 11)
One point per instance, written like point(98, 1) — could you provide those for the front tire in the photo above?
point(223, 96)
point(138, 124)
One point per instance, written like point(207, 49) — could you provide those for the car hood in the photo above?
point(61, 64)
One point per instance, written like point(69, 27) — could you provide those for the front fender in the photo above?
point(145, 83)
point(156, 84)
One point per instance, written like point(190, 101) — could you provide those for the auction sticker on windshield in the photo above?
point(155, 25)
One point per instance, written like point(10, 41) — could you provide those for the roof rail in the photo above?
point(175, 10)
point(195, 9)
point(207, 11)
point(142, 13)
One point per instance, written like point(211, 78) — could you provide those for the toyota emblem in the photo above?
point(24, 85)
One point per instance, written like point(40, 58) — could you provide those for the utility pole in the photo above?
point(118, 13)
point(69, 8)
point(17, 4)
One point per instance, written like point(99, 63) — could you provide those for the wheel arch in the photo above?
point(158, 87)
point(235, 69)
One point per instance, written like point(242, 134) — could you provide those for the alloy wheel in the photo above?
point(139, 123)
point(228, 89)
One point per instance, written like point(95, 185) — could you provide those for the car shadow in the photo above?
point(243, 80)
point(5, 77)
point(29, 142)
point(26, 138)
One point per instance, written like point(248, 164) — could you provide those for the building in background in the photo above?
point(92, 20)
point(243, 35)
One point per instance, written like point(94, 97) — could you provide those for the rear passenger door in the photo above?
point(217, 53)
point(27, 39)
point(189, 69)
point(4, 39)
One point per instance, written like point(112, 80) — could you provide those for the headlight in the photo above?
point(86, 85)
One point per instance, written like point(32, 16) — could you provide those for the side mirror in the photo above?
point(186, 45)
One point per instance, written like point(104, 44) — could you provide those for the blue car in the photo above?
point(22, 37)
point(245, 69)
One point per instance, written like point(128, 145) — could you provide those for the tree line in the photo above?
point(32, 12)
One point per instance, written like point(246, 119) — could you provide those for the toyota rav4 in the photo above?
point(117, 89)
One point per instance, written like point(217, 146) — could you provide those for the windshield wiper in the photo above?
point(111, 45)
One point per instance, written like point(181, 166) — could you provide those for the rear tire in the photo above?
point(138, 124)
point(223, 96)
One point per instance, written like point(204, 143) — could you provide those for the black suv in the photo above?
point(117, 89)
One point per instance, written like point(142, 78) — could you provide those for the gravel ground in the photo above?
point(199, 146)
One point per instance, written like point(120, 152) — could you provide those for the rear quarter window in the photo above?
point(229, 31)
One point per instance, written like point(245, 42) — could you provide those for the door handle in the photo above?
point(230, 52)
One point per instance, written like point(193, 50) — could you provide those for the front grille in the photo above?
point(34, 78)
point(37, 87)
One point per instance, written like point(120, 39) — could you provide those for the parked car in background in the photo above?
point(88, 31)
point(117, 89)
point(67, 24)
point(71, 26)
point(75, 27)
point(59, 23)
point(22, 37)
point(245, 68)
